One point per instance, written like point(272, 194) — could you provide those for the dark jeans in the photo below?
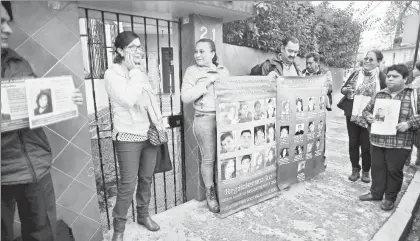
point(137, 162)
point(37, 210)
point(387, 171)
point(358, 137)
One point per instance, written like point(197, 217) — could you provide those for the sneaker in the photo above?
point(365, 177)
point(355, 174)
point(387, 205)
point(368, 197)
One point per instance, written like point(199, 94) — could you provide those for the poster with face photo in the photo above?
point(298, 157)
point(246, 147)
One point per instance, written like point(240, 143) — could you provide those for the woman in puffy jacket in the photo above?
point(197, 87)
point(131, 95)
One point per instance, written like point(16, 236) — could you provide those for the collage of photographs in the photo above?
point(245, 149)
point(305, 135)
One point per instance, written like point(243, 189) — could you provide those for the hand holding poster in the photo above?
point(386, 114)
point(302, 127)
point(246, 142)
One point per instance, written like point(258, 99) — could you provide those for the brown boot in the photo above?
point(212, 200)
point(365, 177)
point(148, 223)
point(355, 174)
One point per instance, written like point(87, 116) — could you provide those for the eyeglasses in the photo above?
point(135, 48)
point(369, 59)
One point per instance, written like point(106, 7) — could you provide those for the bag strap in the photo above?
point(154, 111)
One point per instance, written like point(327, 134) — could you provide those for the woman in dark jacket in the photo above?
point(363, 83)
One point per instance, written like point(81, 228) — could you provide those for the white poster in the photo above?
point(386, 114)
point(14, 109)
point(50, 100)
point(359, 104)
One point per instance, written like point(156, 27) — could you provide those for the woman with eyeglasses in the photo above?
point(131, 95)
point(363, 84)
point(198, 88)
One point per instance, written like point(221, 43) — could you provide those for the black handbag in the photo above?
point(163, 159)
point(340, 104)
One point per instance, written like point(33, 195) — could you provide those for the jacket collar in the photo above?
point(387, 91)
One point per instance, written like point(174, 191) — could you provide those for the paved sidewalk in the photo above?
point(324, 208)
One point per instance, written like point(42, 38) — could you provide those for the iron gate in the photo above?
point(98, 30)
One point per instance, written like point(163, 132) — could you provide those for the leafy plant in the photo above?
point(332, 32)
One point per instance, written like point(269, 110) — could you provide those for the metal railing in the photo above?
point(99, 31)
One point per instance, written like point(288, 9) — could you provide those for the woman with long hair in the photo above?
point(131, 95)
point(197, 87)
point(364, 83)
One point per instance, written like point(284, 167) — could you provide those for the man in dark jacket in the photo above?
point(313, 68)
point(284, 64)
point(25, 160)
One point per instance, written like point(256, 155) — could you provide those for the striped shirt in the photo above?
point(401, 139)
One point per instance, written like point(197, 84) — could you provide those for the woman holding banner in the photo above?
point(197, 87)
point(358, 89)
point(133, 108)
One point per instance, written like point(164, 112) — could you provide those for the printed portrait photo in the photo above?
point(318, 144)
point(43, 103)
point(311, 127)
point(299, 105)
point(245, 140)
point(311, 104)
point(284, 153)
point(322, 102)
point(244, 112)
point(258, 162)
point(259, 135)
point(270, 157)
point(260, 112)
point(320, 125)
point(228, 169)
point(227, 142)
point(298, 150)
point(301, 166)
point(380, 115)
point(271, 107)
point(300, 129)
point(245, 164)
point(228, 113)
point(309, 147)
point(285, 107)
point(271, 133)
point(284, 131)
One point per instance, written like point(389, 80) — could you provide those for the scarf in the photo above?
point(373, 75)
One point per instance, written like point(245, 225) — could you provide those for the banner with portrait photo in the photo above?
point(49, 100)
point(301, 117)
point(246, 142)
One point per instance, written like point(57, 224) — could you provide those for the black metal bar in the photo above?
point(183, 166)
point(132, 23)
point(118, 23)
point(160, 98)
point(171, 79)
point(96, 119)
point(145, 45)
point(107, 11)
point(416, 52)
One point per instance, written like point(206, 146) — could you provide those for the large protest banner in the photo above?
point(301, 116)
point(246, 142)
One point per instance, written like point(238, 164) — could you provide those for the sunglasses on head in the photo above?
point(369, 59)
